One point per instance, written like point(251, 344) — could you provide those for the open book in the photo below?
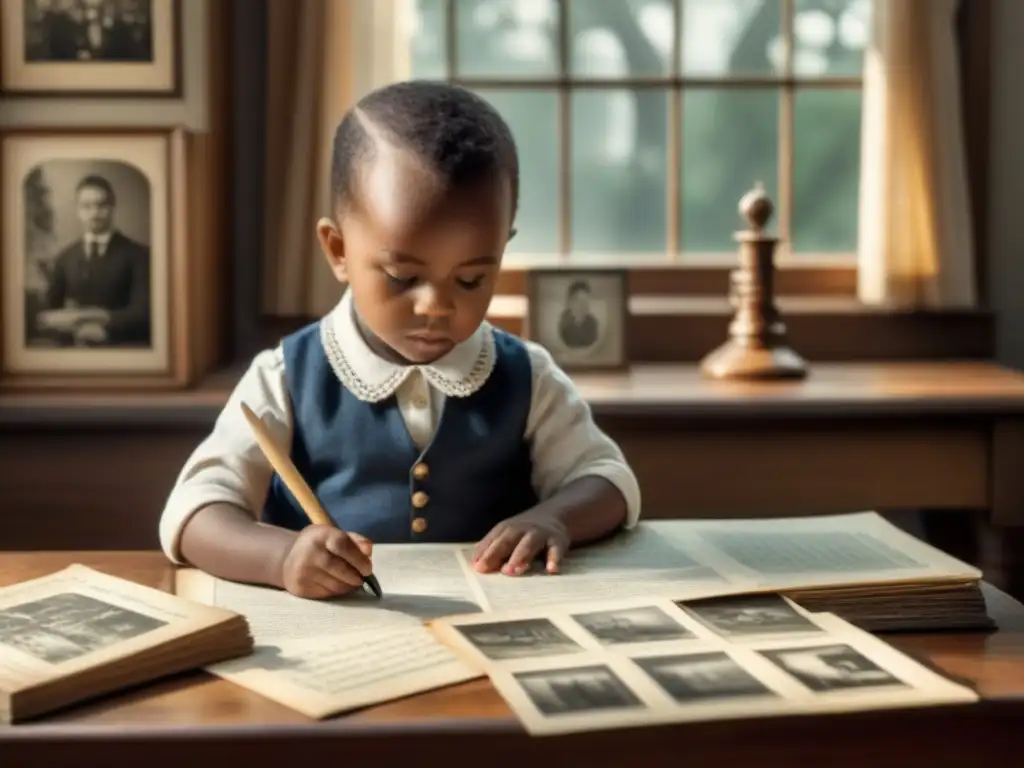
point(78, 633)
point(311, 654)
point(647, 661)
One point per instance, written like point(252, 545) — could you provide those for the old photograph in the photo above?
point(522, 639)
point(578, 690)
point(580, 317)
point(89, 30)
point(831, 667)
point(100, 46)
point(746, 615)
point(63, 627)
point(645, 624)
point(702, 677)
point(87, 250)
point(87, 255)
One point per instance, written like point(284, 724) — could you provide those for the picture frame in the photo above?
point(94, 261)
point(580, 316)
point(91, 48)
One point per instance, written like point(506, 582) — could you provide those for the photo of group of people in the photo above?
point(756, 654)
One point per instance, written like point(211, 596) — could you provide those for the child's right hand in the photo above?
point(325, 562)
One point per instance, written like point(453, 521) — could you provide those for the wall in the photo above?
point(191, 111)
point(1006, 181)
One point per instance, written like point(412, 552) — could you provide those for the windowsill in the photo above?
point(524, 262)
point(518, 306)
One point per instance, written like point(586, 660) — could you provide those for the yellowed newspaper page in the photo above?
point(420, 581)
point(619, 664)
point(689, 558)
point(330, 674)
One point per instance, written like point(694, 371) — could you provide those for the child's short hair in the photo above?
point(459, 134)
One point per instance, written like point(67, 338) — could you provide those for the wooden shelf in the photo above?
point(834, 390)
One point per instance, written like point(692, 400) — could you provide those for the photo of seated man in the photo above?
point(98, 294)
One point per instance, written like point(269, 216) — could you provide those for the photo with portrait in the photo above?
point(86, 254)
point(90, 46)
point(580, 317)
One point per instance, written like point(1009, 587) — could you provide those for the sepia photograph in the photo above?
point(522, 639)
point(577, 690)
point(746, 615)
point(59, 628)
point(87, 254)
point(645, 624)
point(91, 46)
point(702, 677)
point(580, 317)
point(831, 668)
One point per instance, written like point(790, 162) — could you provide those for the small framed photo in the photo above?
point(580, 317)
point(109, 48)
point(94, 274)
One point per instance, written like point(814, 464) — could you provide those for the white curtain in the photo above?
point(322, 57)
point(916, 248)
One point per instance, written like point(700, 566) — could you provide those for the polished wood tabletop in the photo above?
point(198, 715)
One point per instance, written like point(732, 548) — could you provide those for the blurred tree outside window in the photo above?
point(640, 123)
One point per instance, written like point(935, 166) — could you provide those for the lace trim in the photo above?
point(463, 387)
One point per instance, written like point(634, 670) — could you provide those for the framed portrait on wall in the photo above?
point(93, 267)
point(580, 317)
point(90, 48)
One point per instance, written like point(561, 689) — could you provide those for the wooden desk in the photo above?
point(947, 437)
point(199, 717)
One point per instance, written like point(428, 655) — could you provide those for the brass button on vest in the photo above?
point(420, 499)
point(419, 525)
point(420, 471)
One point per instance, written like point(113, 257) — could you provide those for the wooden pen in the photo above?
point(294, 481)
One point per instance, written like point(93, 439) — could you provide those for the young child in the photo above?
point(411, 418)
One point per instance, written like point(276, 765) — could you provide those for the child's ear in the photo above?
point(333, 248)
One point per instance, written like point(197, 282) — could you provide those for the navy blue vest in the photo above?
point(358, 457)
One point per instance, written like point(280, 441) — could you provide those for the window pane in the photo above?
point(507, 38)
point(730, 141)
point(829, 37)
point(533, 117)
point(738, 38)
point(620, 38)
point(428, 33)
point(619, 159)
point(826, 170)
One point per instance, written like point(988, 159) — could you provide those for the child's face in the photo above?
point(421, 260)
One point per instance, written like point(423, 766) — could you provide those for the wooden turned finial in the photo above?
point(757, 347)
point(756, 207)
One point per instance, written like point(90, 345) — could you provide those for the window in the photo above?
point(640, 123)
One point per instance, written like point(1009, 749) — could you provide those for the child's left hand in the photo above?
point(514, 543)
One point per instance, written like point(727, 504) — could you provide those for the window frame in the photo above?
point(674, 84)
point(818, 301)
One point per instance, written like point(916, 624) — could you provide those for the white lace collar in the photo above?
point(371, 378)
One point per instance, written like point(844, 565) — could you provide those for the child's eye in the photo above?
point(471, 283)
point(400, 282)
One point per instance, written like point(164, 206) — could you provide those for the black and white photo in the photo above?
point(89, 30)
point(831, 668)
point(100, 46)
point(521, 639)
point(577, 690)
point(62, 627)
point(749, 615)
point(89, 270)
point(88, 254)
point(644, 624)
point(580, 317)
point(702, 677)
